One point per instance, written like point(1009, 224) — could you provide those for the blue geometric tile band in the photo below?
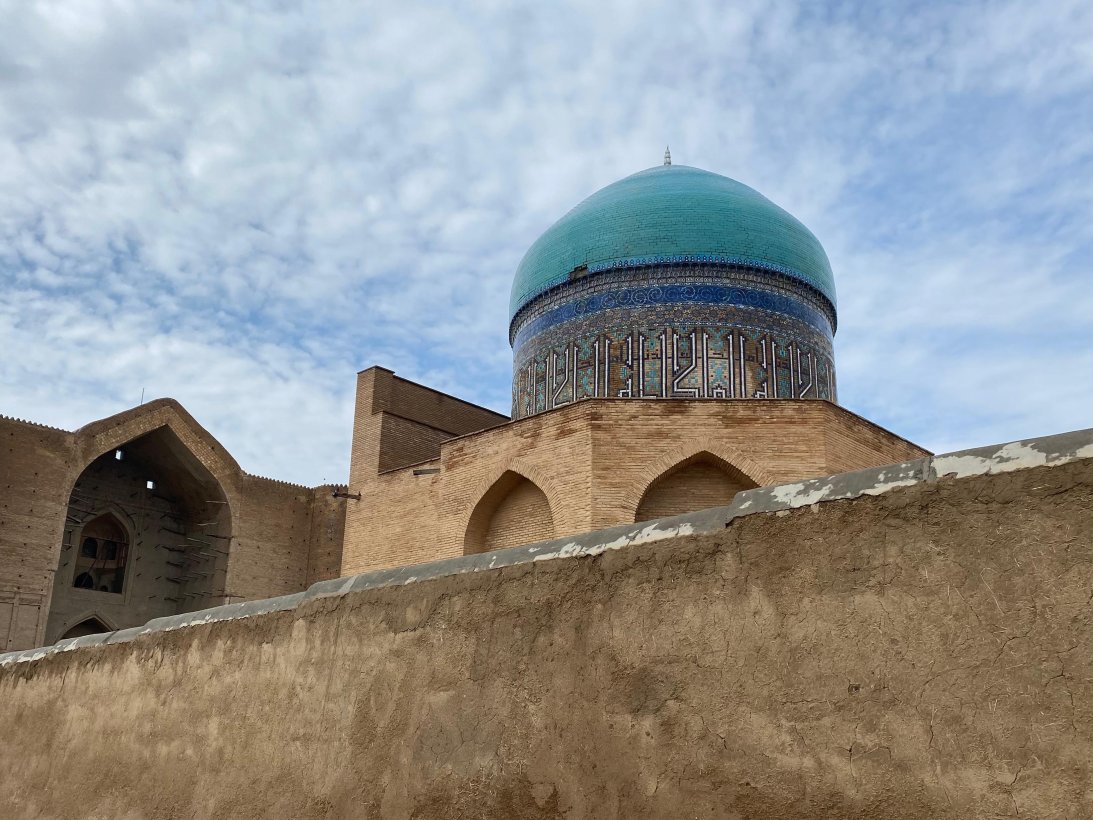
point(684, 292)
point(666, 352)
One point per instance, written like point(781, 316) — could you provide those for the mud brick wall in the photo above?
point(907, 642)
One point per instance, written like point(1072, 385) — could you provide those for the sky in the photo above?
point(241, 205)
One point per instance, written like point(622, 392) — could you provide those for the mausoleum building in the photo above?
point(672, 345)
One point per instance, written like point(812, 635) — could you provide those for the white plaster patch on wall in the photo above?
point(23, 656)
point(1018, 456)
point(878, 489)
point(1014, 456)
point(793, 495)
point(961, 466)
point(652, 532)
point(564, 551)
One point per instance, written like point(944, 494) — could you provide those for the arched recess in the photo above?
point(101, 551)
point(89, 623)
point(176, 519)
point(698, 482)
point(513, 511)
point(724, 454)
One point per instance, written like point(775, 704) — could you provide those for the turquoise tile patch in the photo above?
point(672, 213)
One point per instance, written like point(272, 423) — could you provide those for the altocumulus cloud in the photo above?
point(241, 206)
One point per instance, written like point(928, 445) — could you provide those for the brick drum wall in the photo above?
point(593, 460)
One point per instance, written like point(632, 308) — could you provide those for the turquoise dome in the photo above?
point(672, 213)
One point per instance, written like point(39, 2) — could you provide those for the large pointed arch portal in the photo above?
point(146, 534)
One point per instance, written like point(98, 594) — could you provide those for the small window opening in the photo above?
point(104, 553)
point(151, 485)
point(118, 455)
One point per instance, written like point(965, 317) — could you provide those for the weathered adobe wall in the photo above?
point(272, 521)
point(907, 642)
point(593, 460)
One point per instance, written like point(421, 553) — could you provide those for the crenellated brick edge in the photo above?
point(1049, 451)
point(29, 423)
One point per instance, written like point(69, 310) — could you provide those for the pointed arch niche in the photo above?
point(695, 483)
point(91, 625)
point(513, 511)
point(103, 554)
point(146, 534)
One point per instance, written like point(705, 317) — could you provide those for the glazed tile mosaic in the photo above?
point(695, 339)
point(673, 361)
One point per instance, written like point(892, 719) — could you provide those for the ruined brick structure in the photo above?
point(141, 515)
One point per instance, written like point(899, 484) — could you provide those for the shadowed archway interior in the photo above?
point(146, 534)
point(88, 626)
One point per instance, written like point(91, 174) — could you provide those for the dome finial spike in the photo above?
point(667, 156)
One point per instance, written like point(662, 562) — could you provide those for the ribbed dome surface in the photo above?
point(672, 213)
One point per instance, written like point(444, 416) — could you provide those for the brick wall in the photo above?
point(327, 534)
point(401, 423)
point(394, 510)
point(433, 408)
point(397, 423)
point(407, 442)
point(270, 544)
point(34, 467)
